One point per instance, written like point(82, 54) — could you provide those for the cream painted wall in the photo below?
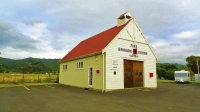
point(79, 77)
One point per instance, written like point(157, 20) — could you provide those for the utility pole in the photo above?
point(198, 65)
point(1, 70)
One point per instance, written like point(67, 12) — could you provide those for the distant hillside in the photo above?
point(51, 63)
point(37, 65)
point(179, 66)
point(30, 65)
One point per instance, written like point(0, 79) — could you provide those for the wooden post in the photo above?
point(38, 77)
point(3, 79)
point(49, 78)
point(23, 78)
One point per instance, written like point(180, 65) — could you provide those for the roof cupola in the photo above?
point(122, 19)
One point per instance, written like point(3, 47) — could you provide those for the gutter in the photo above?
point(80, 57)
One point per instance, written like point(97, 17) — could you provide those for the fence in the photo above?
point(27, 78)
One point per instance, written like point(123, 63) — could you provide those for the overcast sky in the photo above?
point(51, 28)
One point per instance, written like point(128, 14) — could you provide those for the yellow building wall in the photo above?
point(79, 77)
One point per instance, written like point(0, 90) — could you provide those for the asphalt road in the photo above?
point(168, 97)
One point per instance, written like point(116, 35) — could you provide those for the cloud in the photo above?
point(175, 44)
point(173, 54)
point(39, 28)
point(187, 34)
point(4, 25)
point(21, 54)
point(35, 31)
point(173, 50)
point(32, 21)
point(9, 37)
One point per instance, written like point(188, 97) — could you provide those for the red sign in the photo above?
point(135, 51)
point(150, 74)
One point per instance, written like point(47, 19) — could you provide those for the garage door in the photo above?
point(133, 73)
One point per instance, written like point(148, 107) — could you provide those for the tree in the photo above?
point(170, 74)
point(161, 72)
point(188, 69)
point(192, 63)
point(166, 71)
point(169, 67)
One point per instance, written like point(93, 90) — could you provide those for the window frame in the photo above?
point(79, 65)
point(64, 67)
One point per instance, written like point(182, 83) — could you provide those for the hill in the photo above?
point(30, 65)
point(179, 66)
point(37, 65)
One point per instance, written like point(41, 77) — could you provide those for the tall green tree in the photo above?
point(188, 69)
point(166, 71)
point(192, 63)
point(170, 74)
point(161, 72)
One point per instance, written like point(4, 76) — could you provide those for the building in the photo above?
point(117, 58)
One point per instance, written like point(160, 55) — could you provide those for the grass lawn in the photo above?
point(25, 84)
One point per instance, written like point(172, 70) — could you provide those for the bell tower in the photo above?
point(122, 19)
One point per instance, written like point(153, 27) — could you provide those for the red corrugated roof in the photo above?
point(93, 44)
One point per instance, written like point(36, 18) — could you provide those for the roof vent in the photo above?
point(122, 19)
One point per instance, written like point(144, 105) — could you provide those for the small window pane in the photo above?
point(81, 64)
point(65, 67)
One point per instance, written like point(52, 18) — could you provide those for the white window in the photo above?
point(79, 65)
point(65, 67)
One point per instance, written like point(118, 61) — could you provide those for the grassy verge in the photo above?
point(25, 84)
point(172, 81)
point(27, 78)
point(165, 81)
